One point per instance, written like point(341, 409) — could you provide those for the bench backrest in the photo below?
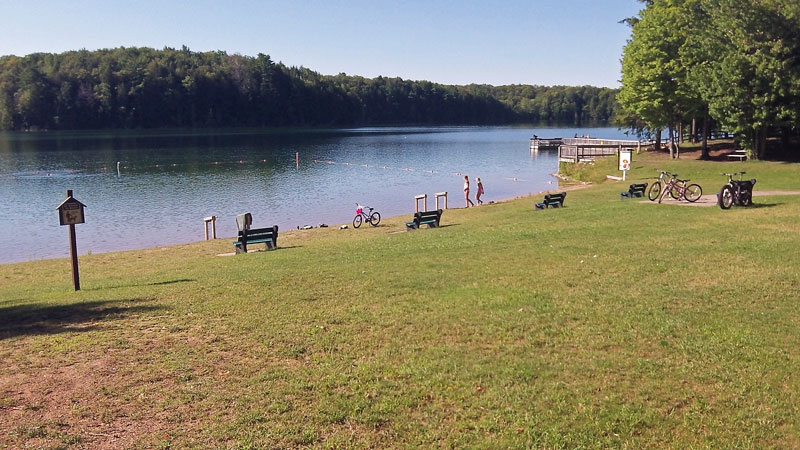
point(260, 233)
point(555, 198)
point(424, 216)
point(637, 187)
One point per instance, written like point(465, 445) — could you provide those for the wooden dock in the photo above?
point(589, 149)
point(545, 144)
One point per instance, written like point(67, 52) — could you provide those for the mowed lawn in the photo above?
point(606, 323)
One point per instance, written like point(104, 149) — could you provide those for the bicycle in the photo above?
point(373, 217)
point(680, 189)
point(689, 192)
point(654, 191)
point(736, 191)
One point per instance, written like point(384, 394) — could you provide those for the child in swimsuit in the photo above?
point(466, 192)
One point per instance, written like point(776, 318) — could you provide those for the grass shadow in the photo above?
point(38, 319)
point(156, 283)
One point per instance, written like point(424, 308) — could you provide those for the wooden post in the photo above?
point(424, 198)
point(213, 221)
point(297, 159)
point(441, 194)
point(73, 252)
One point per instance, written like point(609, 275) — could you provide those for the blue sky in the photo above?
point(542, 42)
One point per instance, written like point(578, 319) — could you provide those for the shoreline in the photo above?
point(290, 230)
point(574, 187)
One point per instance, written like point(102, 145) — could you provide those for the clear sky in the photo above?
point(541, 42)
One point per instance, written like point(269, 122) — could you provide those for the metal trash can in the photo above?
point(243, 221)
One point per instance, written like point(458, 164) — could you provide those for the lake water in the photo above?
point(170, 180)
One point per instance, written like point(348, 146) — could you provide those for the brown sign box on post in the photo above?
point(70, 211)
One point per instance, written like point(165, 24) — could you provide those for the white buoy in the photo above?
point(117, 168)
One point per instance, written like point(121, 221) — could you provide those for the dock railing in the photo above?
point(588, 149)
point(545, 144)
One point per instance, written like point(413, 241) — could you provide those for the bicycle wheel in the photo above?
point(357, 221)
point(693, 192)
point(375, 219)
point(725, 197)
point(654, 191)
point(675, 192)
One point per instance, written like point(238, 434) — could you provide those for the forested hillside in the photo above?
point(147, 88)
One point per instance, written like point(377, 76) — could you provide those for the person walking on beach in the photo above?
point(466, 192)
point(479, 192)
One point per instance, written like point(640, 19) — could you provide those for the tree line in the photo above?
point(148, 88)
point(730, 64)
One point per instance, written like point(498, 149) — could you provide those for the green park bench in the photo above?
point(429, 218)
point(552, 201)
point(268, 236)
point(635, 190)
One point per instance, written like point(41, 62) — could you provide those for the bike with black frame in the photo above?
point(738, 191)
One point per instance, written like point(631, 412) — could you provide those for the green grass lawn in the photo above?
point(606, 323)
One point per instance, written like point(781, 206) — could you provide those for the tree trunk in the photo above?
point(671, 137)
point(680, 132)
point(760, 148)
point(704, 154)
point(693, 137)
point(658, 140)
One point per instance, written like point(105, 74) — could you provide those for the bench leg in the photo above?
point(269, 245)
point(241, 249)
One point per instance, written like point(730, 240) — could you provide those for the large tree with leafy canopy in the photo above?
point(654, 88)
point(748, 69)
point(737, 61)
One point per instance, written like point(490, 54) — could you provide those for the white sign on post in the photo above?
point(625, 161)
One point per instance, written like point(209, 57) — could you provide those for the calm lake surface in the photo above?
point(170, 180)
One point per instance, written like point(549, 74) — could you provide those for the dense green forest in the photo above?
point(729, 64)
point(147, 88)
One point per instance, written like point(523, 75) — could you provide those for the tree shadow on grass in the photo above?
point(156, 283)
point(37, 318)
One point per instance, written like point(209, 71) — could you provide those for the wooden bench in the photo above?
point(552, 201)
point(429, 218)
point(741, 155)
point(635, 190)
point(268, 236)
